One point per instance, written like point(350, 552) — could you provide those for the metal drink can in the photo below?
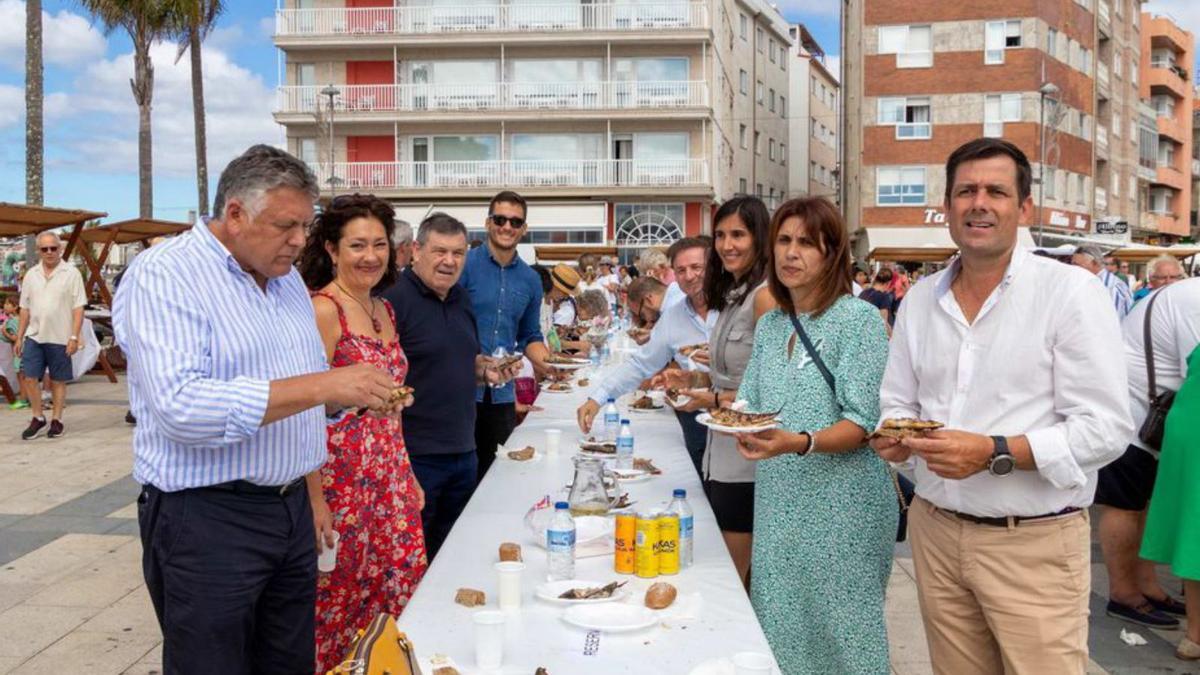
point(625, 548)
point(646, 548)
point(668, 543)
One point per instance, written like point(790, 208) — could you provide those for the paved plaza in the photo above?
point(71, 592)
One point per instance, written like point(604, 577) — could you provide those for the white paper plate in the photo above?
point(588, 529)
point(569, 366)
point(611, 617)
point(551, 590)
point(706, 419)
point(632, 475)
point(547, 390)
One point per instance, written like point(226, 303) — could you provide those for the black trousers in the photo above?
point(448, 481)
point(233, 579)
point(695, 438)
point(494, 423)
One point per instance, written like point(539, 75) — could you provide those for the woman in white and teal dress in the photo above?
point(825, 508)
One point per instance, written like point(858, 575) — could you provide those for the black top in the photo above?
point(440, 340)
point(881, 299)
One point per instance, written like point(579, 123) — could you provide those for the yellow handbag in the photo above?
point(380, 649)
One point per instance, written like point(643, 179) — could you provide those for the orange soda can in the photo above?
point(624, 556)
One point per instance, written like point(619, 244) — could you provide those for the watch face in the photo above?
point(1003, 465)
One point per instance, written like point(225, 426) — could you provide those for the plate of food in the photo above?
point(690, 350)
point(732, 421)
point(559, 388)
point(905, 427)
point(564, 362)
point(610, 617)
point(581, 592)
point(676, 397)
point(634, 475)
point(638, 333)
point(644, 464)
point(645, 401)
point(597, 446)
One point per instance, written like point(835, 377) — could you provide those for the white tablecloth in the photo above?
point(535, 635)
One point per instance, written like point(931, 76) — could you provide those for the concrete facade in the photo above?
point(1169, 55)
point(815, 127)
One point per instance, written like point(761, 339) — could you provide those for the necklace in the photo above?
point(374, 322)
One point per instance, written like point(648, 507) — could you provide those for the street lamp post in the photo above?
point(1046, 90)
point(332, 92)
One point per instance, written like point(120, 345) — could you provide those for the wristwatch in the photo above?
point(1002, 462)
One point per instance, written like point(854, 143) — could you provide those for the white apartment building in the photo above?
point(623, 123)
point(813, 125)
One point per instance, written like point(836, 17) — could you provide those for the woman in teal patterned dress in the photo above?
point(825, 509)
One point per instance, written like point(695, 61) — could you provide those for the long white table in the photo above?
point(723, 625)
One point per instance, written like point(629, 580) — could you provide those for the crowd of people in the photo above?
point(304, 381)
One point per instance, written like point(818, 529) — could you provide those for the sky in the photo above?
point(91, 119)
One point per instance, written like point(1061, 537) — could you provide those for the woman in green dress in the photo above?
point(825, 509)
point(1173, 522)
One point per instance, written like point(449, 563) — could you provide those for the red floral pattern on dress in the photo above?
point(371, 491)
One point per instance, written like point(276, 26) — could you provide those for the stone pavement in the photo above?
point(71, 592)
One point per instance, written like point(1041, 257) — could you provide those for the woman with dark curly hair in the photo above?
point(365, 501)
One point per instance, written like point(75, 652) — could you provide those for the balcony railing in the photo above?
point(498, 96)
point(1102, 11)
point(602, 16)
point(587, 173)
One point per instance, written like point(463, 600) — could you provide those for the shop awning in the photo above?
point(18, 220)
point(919, 244)
point(552, 253)
point(1140, 253)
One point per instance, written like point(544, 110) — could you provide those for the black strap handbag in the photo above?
point(1151, 432)
point(905, 490)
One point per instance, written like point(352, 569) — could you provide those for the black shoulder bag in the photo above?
point(905, 490)
point(1151, 432)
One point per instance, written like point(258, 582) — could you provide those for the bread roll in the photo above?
point(660, 595)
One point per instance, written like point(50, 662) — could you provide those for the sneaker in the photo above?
point(35, 427)
point(18, 404)
point(1187, 650)
point(1144, 615)
point(1169, 606)
point(56, 429)
point(129, 418)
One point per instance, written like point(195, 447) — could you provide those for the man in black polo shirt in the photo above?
point(436, 327)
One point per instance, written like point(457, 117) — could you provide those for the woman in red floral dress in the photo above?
point(366, 491)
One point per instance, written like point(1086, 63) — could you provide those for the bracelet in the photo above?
point(74, 337)
point(812, 444)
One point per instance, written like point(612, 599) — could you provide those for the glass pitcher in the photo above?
point(589, 494)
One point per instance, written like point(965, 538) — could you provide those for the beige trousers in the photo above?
point(1002, 599)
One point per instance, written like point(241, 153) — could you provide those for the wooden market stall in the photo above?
point(919, 244)
point(1143, 253)
point(137, 230)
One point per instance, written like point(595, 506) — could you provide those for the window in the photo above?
point(900, 186)
point(1133, 70)
point(1162, 58)
point(758, 191)
point(771, 149)
point(758, 39)
point(771, 100)
point(771, 49)
point(1087, 60)
point(782, 106)
point(1116, 124)
point(812, 171)
point(1163, 104)
point(1052, 42)
point(1166, 153)
point(1116, 66)
point(998, 109)
point(1085, 126)
point(912, 45)
point(306, 74)
point(744, 82)
point(760, 92)
point(744, 23)
point(1049, 182)
point(783, 154)
point(742, 135)
point(642, 225)
point(757, 145)
point(998, 36)
point(1081, 189)
point(742, 186)
point(1116, 184)
point(308, 151)
point(1160, 200)
point(911, 116)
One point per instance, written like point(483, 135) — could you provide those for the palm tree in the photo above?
point(34, 139)
point(146, 21)
point(198, 19)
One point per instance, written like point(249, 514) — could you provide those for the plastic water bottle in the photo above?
point(679, 505)
point(560, 544)
point(625, 446)
point(612, 420)
point(594, 358)
point(606, 349)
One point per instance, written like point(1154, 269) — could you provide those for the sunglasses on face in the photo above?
point(502, 221)
point(48, 249)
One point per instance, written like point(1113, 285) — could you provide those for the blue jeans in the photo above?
point(448, 481)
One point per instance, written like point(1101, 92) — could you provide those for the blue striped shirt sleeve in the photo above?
point(168, 338)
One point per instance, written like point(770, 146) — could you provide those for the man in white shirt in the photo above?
point(1125, 486)
point(682, 324)
point(52, 301)
point(1034, 402)
point(1091, 259)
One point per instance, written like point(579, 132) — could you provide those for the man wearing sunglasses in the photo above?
point(506, 295)
point(52, 301)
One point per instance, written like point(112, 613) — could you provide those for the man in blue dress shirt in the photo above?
point(229, 384)
point(506, 295)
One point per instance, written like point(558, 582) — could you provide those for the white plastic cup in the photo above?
point(752, 663)
point(327, 561)
point(509, 573)
point(553, 438)
point(489, 639)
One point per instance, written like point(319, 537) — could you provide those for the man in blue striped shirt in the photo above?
point(229, 384)
point(1091, 259)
